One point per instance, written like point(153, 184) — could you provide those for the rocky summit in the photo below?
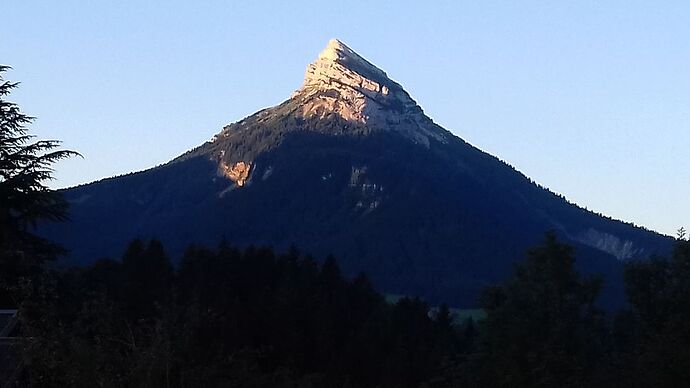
point(342, 82)
point(350, 165)
point(340, 85)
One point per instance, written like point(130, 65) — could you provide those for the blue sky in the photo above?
point(591, 99)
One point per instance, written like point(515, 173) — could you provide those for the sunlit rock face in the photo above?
point(238, 173)
point(341, 82)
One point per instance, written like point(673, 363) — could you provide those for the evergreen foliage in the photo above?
point(252, 318)
point(658, 329)
point(25, 166)
point(229, 318)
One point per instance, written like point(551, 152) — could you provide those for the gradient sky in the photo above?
point(591, 99)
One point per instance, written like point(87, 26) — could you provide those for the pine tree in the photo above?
point(25, 166)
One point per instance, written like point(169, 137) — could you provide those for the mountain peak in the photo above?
point(342, 82)
point(342, 94)
point(336, 52)
point(339, 62)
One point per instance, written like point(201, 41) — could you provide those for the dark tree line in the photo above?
point(235, 318)
point(253, 318)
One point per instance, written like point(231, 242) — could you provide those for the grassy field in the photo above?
point(459, 315)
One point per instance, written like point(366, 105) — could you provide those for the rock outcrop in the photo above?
point(237, 173)
point(341, 82)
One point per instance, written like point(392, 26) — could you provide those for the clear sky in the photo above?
point(591, 99)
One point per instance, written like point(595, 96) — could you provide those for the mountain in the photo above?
point(350, 165)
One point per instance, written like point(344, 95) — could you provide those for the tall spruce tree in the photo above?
point(25, 167)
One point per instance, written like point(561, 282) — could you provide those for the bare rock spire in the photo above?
point(341, 81)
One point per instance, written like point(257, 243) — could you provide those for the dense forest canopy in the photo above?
point(254, 318)
point(226, 317)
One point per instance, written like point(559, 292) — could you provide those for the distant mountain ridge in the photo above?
point(351, 165)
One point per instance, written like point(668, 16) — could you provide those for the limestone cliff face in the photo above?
point(606, 242)
point(238, 173)
point(341, 82)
